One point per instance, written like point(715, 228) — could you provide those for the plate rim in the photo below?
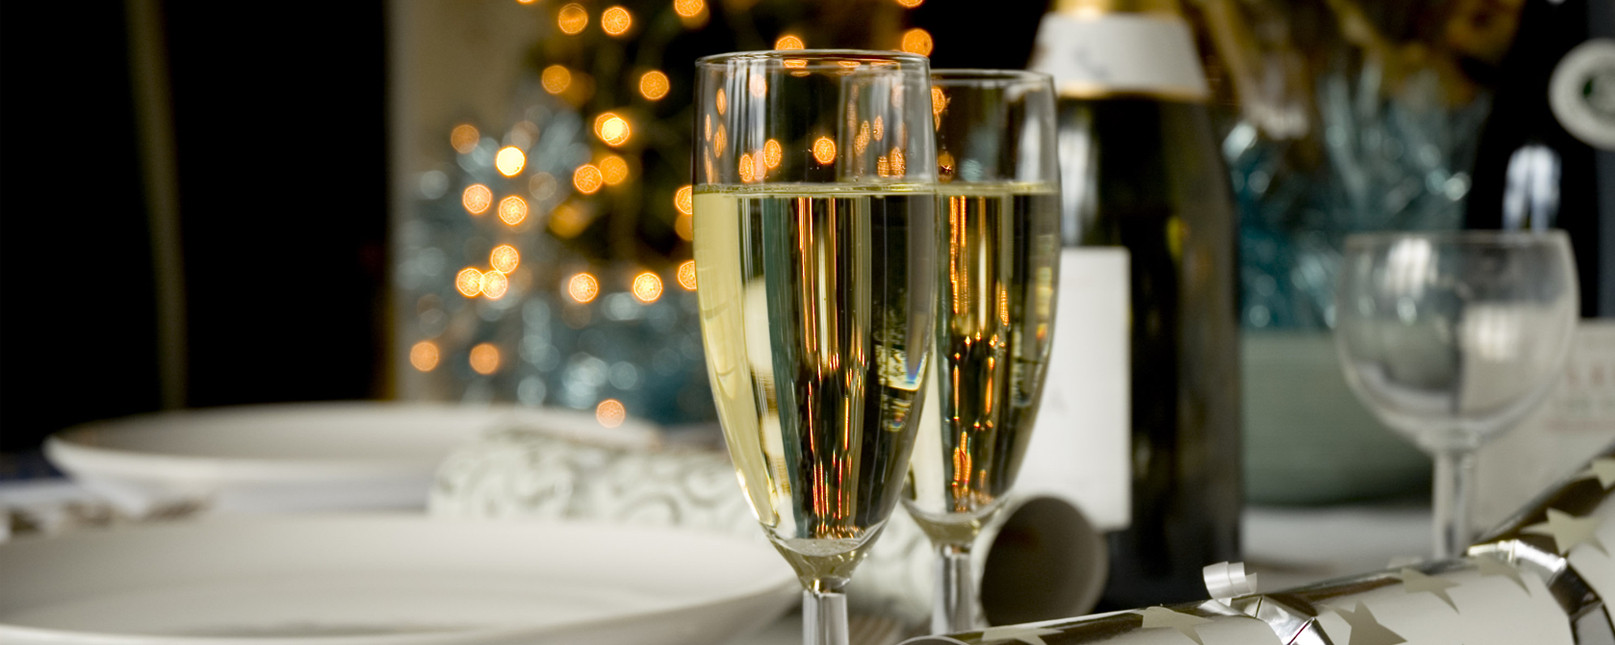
point(763, 589)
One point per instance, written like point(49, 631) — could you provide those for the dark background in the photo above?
point(279, 116)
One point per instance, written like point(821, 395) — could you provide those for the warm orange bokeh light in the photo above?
point(615, 131)
point(468, 282)
point(613, 170)
point(512, 210)
point(689, 8)
point(572, 19)
point(568, 220)
point(748, 169)
point(910, 4)
point(939, 102)
point(898, 163)
point(647, 287)
point(587, 179)
point(684, 199)
point(758, 86)
point(583, 288)
point(610, 413)
point(510, 161)
point(686, 275)
point(771, 154)
point(685, 227)
point(721, 100)
point(504, 258)
point(824, 150)
point(789, 41)
point(653, 85)
point(464, 138)
point(485, 358)
point(556, 78)
point(476, 199)
point(917, 41)
point(616, 21)
point(878, 128)
point(495, 284)
point(424, 355)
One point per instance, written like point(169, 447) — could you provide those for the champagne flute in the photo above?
point(816, 261)
point(998, 193)
point(1450, 339)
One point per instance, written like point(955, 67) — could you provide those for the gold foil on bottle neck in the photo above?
point(1097, 7)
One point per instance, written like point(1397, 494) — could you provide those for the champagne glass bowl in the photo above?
point(1450, 339)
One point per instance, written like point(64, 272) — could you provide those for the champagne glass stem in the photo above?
point(955, 609)
point(824, 617)
point(1454, 499)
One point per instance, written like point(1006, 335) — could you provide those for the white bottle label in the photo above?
point(1581, 92)
point(1080, 449)
point(1112, 53)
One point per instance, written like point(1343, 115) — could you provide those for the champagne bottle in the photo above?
point(1547, 153)
point(1142, 173)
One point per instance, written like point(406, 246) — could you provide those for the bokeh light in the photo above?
point(556, 78)
point(898, 163)
point(583, 287)
point(721, 101)
point(771, 154)
point(464, 138)
point(512, 210)
point(495, 284)
point(653, 85)
point(685, 227)
point(689, 8)
point(424, 356)
point(647, 287)
point(468, 282)
point(686, 275)
point(587, 179)
point(917, 41)
point(476, 199)
point(789, 41)
point(504, 258)
point(910, 4)
point(748, 169)
point(684, 199)
point(568, 220)
point(572, 19)
point(610, 413)
point(510, 161)
point(613, 130)
point(824, 150)
point(616, 21)
point(485, 358)
point(613, 170)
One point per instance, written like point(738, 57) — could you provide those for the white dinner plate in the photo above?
point(297, 456)
point(386, 579)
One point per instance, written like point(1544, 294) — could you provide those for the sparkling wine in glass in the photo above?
point(816, 260)
point(998, 198)
point(1450, 339)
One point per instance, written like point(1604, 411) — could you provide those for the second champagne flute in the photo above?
point(998, 196)
point(816, 262)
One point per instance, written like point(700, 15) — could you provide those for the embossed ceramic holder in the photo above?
point(1543, 578)
point(1042, 557)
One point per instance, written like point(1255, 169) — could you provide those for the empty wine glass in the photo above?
point(816, 262)
point(1450, 339)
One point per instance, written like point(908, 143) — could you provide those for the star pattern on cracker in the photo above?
point(1186, 624)
point(1602, 470)
point(1491, 565)
point(1416, 581)
point(1568, 531)
point(1365, 629)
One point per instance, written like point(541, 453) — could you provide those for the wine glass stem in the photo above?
point(955, 609)
point(1454, 499)
point(824, 617)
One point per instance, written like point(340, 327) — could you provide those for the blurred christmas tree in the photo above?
point(549, 261)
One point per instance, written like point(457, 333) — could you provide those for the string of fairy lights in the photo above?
point(571, 225)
